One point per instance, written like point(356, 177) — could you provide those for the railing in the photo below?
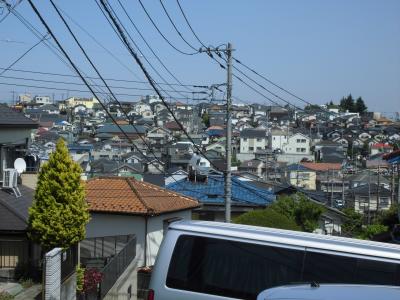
point(116, 266)
point(69, 261)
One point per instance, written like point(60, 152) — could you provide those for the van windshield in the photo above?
point(242, 270)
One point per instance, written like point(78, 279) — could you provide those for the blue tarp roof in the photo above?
point(212, 191)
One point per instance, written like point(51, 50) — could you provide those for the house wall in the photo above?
point(155, 229)
point(307, 180)
point(293, 158)
point(296, 143)
point(361, 204)
point(277, 141)
point(251, 145)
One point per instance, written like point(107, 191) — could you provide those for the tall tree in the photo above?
point(59, 213)
point(347, 103)
point(360, 106)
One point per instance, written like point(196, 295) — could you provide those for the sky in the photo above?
point(318, 50)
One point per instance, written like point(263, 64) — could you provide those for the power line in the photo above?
point(163, 36)
point(176, 29)
point(147, 44)
point(22, 56)
point(149, 78)
point(76, 90)
point(91, 77)
point(130, 37)
point(188, 23)
point(82, 84)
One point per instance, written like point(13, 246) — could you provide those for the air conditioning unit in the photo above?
point(10, 177)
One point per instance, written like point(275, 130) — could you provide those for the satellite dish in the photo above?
point(20, 165)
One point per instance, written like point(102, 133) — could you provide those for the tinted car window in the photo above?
point(229, 268)
point(328, 268)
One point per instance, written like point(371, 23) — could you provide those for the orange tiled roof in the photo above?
point(321, 166)
point(127, 195)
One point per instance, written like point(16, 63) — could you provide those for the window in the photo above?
point(298, 141)
point(231, 269)
point(383, 201)
point(329, 268)
point(303, 140)
point(244, 139)
point(251, 148)
point(258, 148)
point(259, 139)
point(363, 203)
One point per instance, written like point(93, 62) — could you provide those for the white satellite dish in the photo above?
point(20, 165)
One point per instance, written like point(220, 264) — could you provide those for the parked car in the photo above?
point(331, 292)
point(212, 260)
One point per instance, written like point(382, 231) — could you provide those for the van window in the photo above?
point(229, 268)
point(328, 268)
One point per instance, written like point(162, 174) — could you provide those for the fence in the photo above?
point(69, 261)
point(116, 266)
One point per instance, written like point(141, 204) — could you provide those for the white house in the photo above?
point(42, 100)
point(130, 216)
point(278, 138)
point(251, 140)
point(296, 149)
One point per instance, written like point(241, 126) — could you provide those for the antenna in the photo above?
point(20, 165)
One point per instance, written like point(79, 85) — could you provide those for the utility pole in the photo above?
point(228, 173)
point(228, 179)
point(379, 189)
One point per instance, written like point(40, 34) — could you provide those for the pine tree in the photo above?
point(360, 105)
point(59, 213)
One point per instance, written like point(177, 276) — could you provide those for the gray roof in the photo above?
point(253, 133)
point(14, 211)
point(110, 128)
point(12, 118)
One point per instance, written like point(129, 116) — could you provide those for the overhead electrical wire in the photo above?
point(147, 44)
point(82, 84)
point(83, 78)
point(23, 55)
point(176, 29)
point(91, 77)
point(163, 36)
point(147, 75)
point(135, 44)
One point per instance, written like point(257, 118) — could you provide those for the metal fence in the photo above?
point(116, 266)
point(69, 261)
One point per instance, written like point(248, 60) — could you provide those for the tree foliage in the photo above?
point(59, 212)
point(299, 208)
point(349, 104)
point(206, 120)
point(267, 218)
point(353, 224)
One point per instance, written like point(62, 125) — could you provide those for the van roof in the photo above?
point(301, 239)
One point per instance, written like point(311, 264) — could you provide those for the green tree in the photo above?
point(347, 103)
point(369, 231)
point(353, 224)
point(388, 217)
point(59, 212)
point(360, 106)
point(206, 120)
point(267, 218)
point(299, 208)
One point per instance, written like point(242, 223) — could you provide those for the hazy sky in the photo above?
point(319, 50)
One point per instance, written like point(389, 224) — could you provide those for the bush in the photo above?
point(26, 282)
point(92, 277)
point(6, 296)
point(372, 230)
point(267, 218)
point(80, 276)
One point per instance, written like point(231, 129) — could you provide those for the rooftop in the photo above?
point(129, 196)
point(13, 118)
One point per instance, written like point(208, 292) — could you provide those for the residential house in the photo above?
point(254, 166)
point(132, 131)
point(368, 199)
point(300, 176)
point(15, 136)
point(296, 149)
point(278, 138)
point(381, 148)
point(132, 219)
point(18, 255)
point(251, 140)
point(210, 193)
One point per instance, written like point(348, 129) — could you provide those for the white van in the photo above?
point(331, 292)
point(211, 260)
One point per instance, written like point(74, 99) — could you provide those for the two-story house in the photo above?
point(251, 140)
point(296, 149)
